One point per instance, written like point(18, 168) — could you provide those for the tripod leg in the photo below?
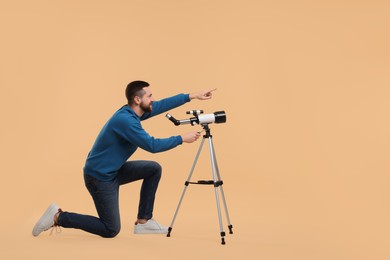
point(230, 226)
point(216, 184)
point(185, 188)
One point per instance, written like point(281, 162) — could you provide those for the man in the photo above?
point(107, 167)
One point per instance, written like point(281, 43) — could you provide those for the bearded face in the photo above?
point(144, 99)
point(146, 106)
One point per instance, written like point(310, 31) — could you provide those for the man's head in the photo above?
point(139, 94)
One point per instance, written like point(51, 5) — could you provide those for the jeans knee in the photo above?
point(112, 232)
point(156, 168)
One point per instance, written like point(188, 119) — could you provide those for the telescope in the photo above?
point(199, 118)
point(204, 120)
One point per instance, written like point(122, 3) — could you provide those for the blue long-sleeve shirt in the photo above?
point(123, 134)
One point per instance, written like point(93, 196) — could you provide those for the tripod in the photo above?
point(216, 182)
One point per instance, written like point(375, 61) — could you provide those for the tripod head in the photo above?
point(199, 118)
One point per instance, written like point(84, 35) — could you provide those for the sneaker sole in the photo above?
point(146, 231)
point(49, 213)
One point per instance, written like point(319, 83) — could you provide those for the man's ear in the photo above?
point(137, 100)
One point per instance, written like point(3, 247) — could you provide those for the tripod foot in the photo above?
point(230, 229)
point(169, 232)
point(222, 238)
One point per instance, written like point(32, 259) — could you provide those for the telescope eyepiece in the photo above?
point(172, 119)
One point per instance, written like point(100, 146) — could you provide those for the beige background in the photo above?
point(304, 154)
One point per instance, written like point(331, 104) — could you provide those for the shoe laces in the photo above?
point(55, 226)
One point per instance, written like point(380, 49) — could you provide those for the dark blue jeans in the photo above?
point(106, 199)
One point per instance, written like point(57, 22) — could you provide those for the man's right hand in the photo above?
point(190, 137)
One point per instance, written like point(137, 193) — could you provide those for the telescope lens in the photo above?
point(220, 117)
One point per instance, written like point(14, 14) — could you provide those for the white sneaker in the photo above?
point(47, 220)
point(150, 227)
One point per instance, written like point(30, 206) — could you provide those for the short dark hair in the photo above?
point(135, 88)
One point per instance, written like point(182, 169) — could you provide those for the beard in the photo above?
point(146, 108)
